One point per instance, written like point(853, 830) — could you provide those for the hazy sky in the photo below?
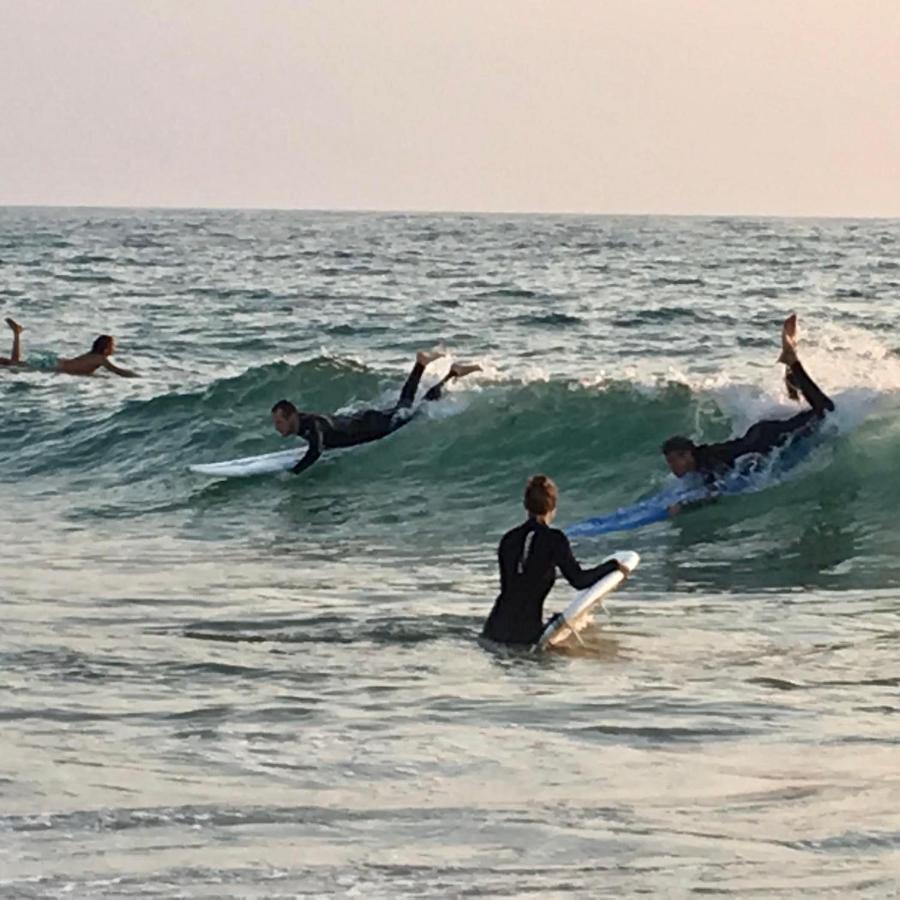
point(670, 106)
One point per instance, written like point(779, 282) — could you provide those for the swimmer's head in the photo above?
point(105, 345)
point(285, 418)
point(679, 454)
point(541, 495)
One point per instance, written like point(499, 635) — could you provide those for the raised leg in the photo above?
point(796, 378)
point(457, 370)
point(16, 353)
point(411, 385)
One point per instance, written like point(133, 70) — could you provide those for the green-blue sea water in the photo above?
point(273, 687)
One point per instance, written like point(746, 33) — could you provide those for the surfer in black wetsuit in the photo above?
point(529, 556)
point(713, 460)
point(327, 432)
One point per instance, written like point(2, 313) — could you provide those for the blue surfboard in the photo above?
point(755, 474)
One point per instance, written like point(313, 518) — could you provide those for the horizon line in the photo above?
point(454, 212)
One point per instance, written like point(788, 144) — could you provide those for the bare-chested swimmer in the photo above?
point(86, 364)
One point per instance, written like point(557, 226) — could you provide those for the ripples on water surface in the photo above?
point(273, 687)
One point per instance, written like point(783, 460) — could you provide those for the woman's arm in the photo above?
point(573, 573)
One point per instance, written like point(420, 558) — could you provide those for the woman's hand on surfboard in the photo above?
point(626, 572)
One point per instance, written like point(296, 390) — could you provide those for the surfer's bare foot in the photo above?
point(425, 357)
point(14, 326)
point(460, 370)
point(789, 340)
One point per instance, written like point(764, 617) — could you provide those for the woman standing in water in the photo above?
point(529, 557)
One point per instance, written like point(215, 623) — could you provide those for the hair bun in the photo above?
point(541, 495)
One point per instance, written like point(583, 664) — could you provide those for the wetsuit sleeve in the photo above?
point(573, 573)
point(312, 431)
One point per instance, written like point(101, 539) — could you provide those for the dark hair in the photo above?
point(285, 407)
point(678, 444)
point(102, 344)
point(540, 495)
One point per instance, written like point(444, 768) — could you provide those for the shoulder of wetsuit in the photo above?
point(558, 540)
point(513, 533)
point(711, 458)
point(510, 536)
point(307, 421)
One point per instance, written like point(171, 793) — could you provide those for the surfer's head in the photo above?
point(285, 418)
point(679, 454)
point(541, 495)
point(105, 345)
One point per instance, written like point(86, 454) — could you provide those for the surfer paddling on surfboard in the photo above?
point(328, 432)
point(86, 364)
point(712, 460)
point(529, 556)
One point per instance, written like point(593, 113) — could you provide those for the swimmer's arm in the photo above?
point(573, 573)
point(117, 370)
point(693, 503)
point(313, 434)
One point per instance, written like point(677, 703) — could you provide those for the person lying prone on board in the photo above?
point(713, 460)
point(328, 432)
point(529, 556)
point(86, 364)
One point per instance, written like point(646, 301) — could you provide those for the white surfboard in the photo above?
point(267, 464)
point(285, 460)
point(578, 614)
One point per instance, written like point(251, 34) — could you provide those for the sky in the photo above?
point(757, 107)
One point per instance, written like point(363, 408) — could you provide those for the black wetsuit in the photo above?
point(765, 436)
point(529, 556)
point(327, 432)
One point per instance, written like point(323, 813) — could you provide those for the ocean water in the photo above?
point(274, 688)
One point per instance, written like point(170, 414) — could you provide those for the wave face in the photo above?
point(468, 457)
